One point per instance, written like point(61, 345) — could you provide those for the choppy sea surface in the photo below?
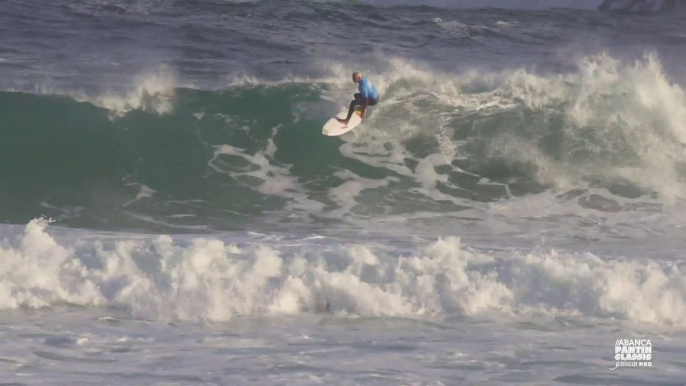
point(172, 215)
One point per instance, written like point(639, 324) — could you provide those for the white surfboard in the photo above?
point(334, 128)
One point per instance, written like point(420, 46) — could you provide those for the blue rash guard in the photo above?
point(367, 89)
point(368, 96)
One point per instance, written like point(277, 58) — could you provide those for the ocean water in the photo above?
point(172, 215)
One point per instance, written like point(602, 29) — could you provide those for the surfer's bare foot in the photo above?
point(343, 121)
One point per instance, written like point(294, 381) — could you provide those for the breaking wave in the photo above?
point(208, 279)
point(609, 136)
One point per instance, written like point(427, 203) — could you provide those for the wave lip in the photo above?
point(641, 6)
point(209, 279)
point(506, 4)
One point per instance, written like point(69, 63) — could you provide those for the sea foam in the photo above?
point(210, 279)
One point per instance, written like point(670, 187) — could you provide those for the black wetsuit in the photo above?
point(360, 101)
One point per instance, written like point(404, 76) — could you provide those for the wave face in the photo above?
point(168, 279)
point(166, 158)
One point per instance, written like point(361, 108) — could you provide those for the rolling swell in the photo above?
point(251, 156)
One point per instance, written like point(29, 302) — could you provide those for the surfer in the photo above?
point(368, 96)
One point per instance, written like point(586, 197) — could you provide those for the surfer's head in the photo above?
point(357, 76)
